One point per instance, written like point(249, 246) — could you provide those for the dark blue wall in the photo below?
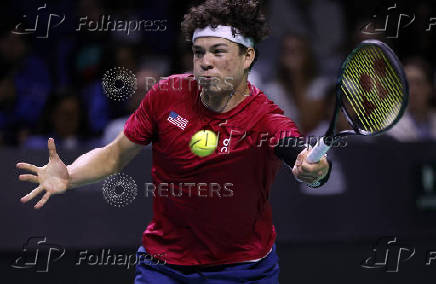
point(315, 233)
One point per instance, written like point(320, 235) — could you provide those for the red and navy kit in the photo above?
point(213, 210)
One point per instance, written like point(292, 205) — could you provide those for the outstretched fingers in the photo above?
point(29, 167)
point(29, 178)
point(51, 148)
point(43, 200)
point(32, 194)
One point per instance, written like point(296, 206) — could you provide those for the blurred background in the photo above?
point(53, 55)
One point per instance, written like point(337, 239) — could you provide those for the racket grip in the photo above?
point(317, 152)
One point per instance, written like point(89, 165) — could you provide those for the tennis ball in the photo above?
point(203, 143)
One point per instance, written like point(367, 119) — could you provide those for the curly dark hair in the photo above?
point(244, 15)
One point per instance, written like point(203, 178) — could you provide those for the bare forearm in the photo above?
point(92, 167)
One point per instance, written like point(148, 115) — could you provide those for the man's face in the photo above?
point(218, 66)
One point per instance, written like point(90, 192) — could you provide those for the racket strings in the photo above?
point(373, 122)
point(393, 81)
point(382, 112)
point(354, 102)
point(391, 103)
point(352, 90)
point(358, 106)
point(372, 89)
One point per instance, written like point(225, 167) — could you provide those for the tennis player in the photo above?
point(222, 231)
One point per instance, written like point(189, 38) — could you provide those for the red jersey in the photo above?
point(209, 210)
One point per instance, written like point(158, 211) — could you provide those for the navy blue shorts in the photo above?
point(264, 271)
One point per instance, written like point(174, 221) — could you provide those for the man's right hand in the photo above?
point(53, 178)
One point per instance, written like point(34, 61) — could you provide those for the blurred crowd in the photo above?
point(51, 87)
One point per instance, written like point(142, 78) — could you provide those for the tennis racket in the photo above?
point(371, 91)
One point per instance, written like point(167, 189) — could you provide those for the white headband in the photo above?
point(223, 32)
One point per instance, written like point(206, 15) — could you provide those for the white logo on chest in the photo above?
point(226, 143)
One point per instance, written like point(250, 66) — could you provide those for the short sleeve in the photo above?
point(140, 126)
point(279, 126)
